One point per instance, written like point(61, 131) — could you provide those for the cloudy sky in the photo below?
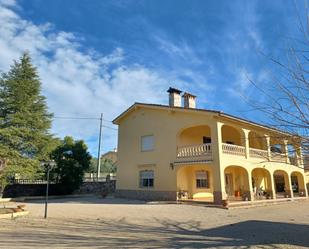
point(102, 56)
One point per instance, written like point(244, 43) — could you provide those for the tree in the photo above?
point(24, 121)
point(72, 160)
point(285, 96)
point(107, 166)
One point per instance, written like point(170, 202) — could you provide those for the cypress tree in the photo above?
point(24, 120)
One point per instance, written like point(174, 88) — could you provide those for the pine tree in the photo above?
point(24, 120)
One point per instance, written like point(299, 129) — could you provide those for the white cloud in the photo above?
point(78, 83)
point(8, 2)
point(241, 84)
point(181, 50)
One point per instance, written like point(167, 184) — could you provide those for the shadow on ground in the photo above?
point(89, 200)
point(167, 234)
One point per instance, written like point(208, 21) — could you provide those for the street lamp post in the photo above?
point(50, 165)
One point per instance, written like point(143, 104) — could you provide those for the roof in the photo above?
point(174, 90)
point(219, 113)
point(186, 94)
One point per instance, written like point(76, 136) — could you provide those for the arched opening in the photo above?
point(257, 141)
point(231, 135)
point(258, 146)
point(293, 154)
point(261, 184)
point(195, 135)
point(277, 149)
point(237, 183)
point(298, 184)
point(282, 184)
point(194, 142)
point(195, 182)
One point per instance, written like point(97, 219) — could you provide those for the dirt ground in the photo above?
point(92, 222)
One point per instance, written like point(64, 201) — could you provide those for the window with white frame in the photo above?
point(202, 179)
point(146, 179)
point(147, 143)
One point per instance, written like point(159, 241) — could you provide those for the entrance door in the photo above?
point(229, 184)
point(279, 183)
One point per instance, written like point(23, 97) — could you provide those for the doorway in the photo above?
point(229, 184)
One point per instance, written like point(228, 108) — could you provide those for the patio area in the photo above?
point(92, 222)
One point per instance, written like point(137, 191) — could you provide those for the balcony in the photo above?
point(257, 153)
point(232, 149)
point(278, 157)
point(199, 152)
point(196, 145)
point(203, 152)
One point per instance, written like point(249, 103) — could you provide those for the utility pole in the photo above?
point(99, 148)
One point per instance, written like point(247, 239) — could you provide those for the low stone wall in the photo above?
point(97, 187)
point(18, 190)
point(147, 195)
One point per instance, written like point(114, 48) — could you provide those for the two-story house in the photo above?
point(170, 152)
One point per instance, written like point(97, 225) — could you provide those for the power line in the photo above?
point(110, 127)
point(76, 118)
point(86, 118)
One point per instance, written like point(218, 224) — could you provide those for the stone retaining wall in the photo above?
point(97, 187)
point(18, 190)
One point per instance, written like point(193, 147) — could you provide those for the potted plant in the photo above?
point(245, 197)
point(225, 203)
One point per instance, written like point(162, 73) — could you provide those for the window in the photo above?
point(206, 140)
point(202, 179)
point(147, 143)
point(146, 179)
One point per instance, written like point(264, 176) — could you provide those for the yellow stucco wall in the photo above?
point(186, 180)
point(165, 126)
point(172, 128)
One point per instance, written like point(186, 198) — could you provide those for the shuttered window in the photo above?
point(147, 143)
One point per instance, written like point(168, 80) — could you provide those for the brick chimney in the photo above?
point(189, 100)
point(174, 97)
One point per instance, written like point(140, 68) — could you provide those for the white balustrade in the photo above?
point(205, 151)
point(278, 157)
point(194, 150)
point(233, 149)
point(258, 153)
point(293, 160)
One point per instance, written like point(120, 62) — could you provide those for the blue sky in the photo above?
point(101, 56)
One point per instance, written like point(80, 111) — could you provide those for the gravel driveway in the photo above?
point(92, 222)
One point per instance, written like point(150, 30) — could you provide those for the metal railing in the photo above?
point(233, 149)
point(42, 181)
point(100, 179)
point(28, 181)
point(194, 150)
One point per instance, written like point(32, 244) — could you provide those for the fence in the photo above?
point(43, 181)
point(28, 181)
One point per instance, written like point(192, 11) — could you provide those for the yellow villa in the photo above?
point(180, 152)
